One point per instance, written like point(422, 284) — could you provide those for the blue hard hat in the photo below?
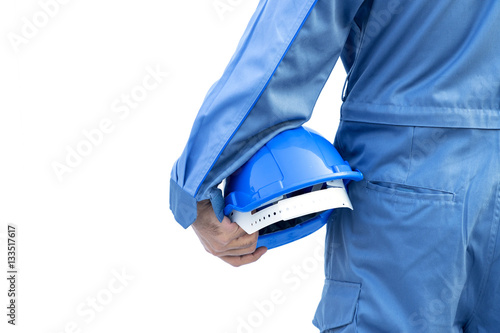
point(288, 188)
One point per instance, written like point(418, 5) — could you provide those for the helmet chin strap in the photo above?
point(333, 196)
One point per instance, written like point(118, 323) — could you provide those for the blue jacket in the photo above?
point(408, 62)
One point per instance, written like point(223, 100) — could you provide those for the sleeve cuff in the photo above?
point(217, 202)
point(183, 205)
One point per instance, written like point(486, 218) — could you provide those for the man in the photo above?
point(420, 119)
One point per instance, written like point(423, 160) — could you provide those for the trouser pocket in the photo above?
point(336, 311)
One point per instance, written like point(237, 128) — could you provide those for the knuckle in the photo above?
point(224, 239)
point(249, 250)
point(218, 248)
point(253, 247)
point(212, 249)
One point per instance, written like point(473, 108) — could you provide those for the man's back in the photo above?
point(425, 63)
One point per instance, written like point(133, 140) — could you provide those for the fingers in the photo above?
point(226, 240)
point(226, 237)
point(231, 228)
point(245, 259)
point(244, 242)
point(236, 247)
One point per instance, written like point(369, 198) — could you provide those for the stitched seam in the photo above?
point(360, 102)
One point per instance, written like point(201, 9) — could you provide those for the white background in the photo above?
point(110, 214)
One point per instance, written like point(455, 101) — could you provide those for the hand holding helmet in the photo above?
point(285, 192)
point(225, 239)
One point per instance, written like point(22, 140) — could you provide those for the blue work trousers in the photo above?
point(420, 252)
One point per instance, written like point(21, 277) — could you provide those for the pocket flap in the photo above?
point(338, 304)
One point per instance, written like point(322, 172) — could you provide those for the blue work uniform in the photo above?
point(420, 118)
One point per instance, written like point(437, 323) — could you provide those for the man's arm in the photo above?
point(271, 84)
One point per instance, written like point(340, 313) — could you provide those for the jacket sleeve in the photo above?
point(271, 84)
